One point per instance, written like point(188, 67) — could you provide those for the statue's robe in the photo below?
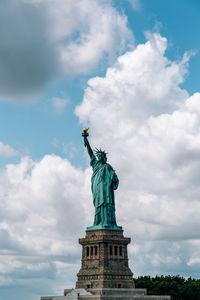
point(104, 182)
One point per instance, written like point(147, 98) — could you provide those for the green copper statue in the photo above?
point(104, 182)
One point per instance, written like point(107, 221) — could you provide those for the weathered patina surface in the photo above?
point(104, 181)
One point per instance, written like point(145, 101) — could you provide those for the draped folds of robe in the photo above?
point(104, 182)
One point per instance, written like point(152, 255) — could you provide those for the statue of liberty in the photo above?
point(104, 181)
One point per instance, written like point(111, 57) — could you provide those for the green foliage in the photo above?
point(177, 287)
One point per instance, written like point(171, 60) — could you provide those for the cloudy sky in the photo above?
point(128, 69)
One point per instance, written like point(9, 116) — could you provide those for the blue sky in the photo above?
point(130, 71)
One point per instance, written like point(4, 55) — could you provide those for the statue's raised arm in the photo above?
point(86, 142)
point(104, 182)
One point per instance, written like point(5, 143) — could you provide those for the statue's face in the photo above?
point(102, 157)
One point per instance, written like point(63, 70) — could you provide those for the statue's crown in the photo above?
point(96, 150)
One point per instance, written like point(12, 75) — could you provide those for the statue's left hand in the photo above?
point(115, 182)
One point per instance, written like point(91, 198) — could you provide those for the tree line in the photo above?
point(179, 288)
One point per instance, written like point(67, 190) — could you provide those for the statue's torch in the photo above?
point(85, 134)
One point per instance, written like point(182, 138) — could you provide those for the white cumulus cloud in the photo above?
point(51, 39)
point(43, 211)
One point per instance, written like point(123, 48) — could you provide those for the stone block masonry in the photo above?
point(104, 260)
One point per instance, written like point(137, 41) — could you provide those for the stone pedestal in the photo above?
point(104, 260)
point(104, 273)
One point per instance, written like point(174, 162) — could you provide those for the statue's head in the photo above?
point(101, 155)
